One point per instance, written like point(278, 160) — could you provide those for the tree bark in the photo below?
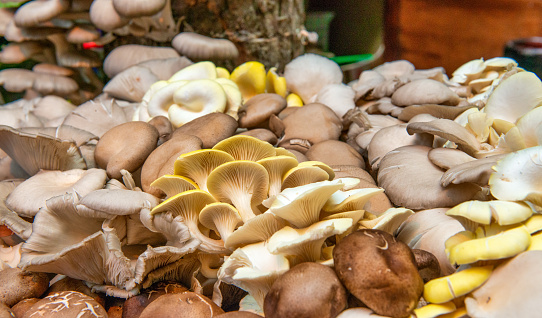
point(268, 31)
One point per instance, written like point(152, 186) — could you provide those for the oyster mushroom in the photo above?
point(199, 47)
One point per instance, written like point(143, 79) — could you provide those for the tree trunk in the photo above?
point(268, 31)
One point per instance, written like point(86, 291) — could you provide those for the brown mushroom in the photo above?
point(306, 290)
point(256, 112)
point(210, 128)
point(380, 271)
point(187, 304)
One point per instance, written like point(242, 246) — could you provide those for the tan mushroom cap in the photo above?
point(438, 111)
point(256, 111)
point(242, 183)
point(35, 12)
point(53, 154)
point(19, 80)
point(424, 91)
point(178, 304)
point(125, 56)
point(131, 84)
point(335, 152)
point(161, 160)
point(243, 147)
point(47, 184)
point(125, 146)
point(262, 134)
point(405, 171)
point(198, 164)
point(199, 47)
point(104, 16)
point(211, 128)
point(138, 8)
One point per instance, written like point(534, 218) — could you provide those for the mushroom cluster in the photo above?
point(244, 182)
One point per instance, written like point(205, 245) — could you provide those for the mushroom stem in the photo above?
point(208, 244)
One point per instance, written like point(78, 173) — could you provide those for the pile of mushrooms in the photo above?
point(224, 190)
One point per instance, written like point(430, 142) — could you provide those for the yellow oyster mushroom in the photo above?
point(174, 184)
point(505, 244)
point(503, 212)
point(222, 73)
point(198, 164)
point(302, 175)
point(434, 310)
point(444, 289)
point(243, 147)
point(293, 100)
point(250, 77)
point(200, 70)
point(275, 83)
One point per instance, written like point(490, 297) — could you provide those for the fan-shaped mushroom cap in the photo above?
point(19, 80)
point(335, 152)
point(391, 70)
point(275, 84)
point(438, 111)
point(131, 84)
point(311, 123)
point(477, 171)
point(407, 162)
point(389, 221)
point(210, 128)
point(173, 184)
point(256, 111)
point(446, 158)
point(503, 212)
point(161, 160)
point(54, 153)
point(242, 183)
point(529, 127)
point(253, 269)
point(277, 167)
point(307, 74)
point(242, 147)
point(47, 184)
point(355, 199)
point(303, 175)
point(262, 134)
point(106, 203)
point(338, 97)
point(125, 146)
point(424, 91)
point(498, 295)
point(301, 205)
point(516, 176)
point(305, 245)
point(258, 229)
point(523, 89)
point(199, 47)
point(220, 217)
point(138, 8)
point(198, 164)
point(124, 56)
point(35, 12)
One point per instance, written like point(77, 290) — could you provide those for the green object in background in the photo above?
point(349, 59)
point(319, 22)
point(12, 4)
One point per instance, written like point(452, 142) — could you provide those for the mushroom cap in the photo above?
point(188, 304)
point(498, 295)
point(199, 47)
point(47, 184)
point(138, 8)
point(125, 146)
point(104, 16)
point(250, 77)
point(424, 91)
point(67, 304)
point(19, 80)
point(131, 84)
point(335, 152)
point(277, 167)
point(258, 229)
point(161, 160)
point(303, 175)
point(379, 271)
point(210, 128)
point(34, 13)
point(198, 164)
point(173, 184)
point(338, 97)
point(307, 74)
point(256, 111)
point(124, 56)
point(262, 134)
point(220, 217)
point(242, 183)
point(516, 176)
point(402, 166)
point(306, 290)
point(242, 147)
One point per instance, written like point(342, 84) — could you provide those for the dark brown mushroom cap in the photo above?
point(67, 304)
point(306, 290)
point(17, 285)
point(134, 306)
point(427, 263)
point(161, 161)
point(309, 125)
point(72, 284)
point(188, 304)
point(380, 271)
point(210, 128)
point(335, 152)
point(257, 110)
point(125, 146)
point(21, 307)
point(262, 134)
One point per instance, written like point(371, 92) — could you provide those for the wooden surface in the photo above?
point(432, 33)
